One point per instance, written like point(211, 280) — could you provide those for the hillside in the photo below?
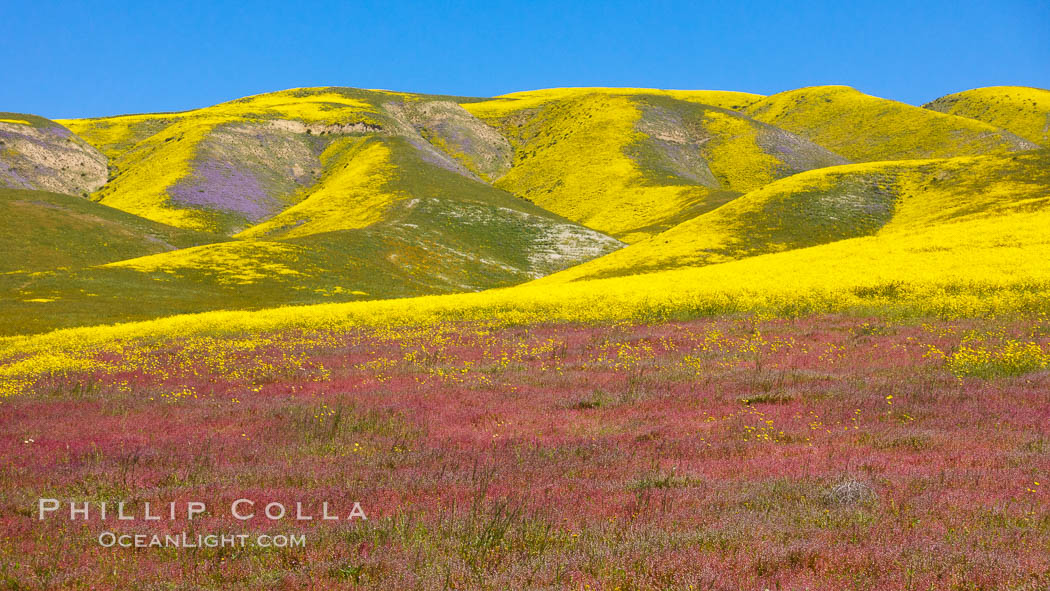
point(327, 195)
point(837, 203)
point(440, 233)
point(39, 154)
point(652, 158)
point(44, 230)
point(1020, 110)
point(313, 161)
point(981, 267)
point(435, 245)
point(634, 163)
point(226, 167)
point(866, 128)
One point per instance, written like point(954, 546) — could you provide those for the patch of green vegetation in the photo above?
point(658, 480)
point(767, 398)
point(33, 121)
point(445, 234)
point(44, 231)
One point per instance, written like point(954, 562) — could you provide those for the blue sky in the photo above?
point(74, 59)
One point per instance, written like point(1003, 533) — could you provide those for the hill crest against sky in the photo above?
point(166, 61)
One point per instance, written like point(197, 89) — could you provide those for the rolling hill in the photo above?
point(985, 266)
point(227, 167)
point(274, 157)
point(1018, 109)
point(45, 230)
point(308, 195)
point(440, 233)
point(866, 128)
point(838, 203)
point(632, 164)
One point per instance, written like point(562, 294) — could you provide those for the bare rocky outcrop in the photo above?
point(36, 153)
point(293, 126)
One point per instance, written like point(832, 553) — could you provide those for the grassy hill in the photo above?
point(44, 230)
point(632, 163)
point(432, 243)
point(837, 203)
point(221, 168)
point(865, 128)
point(36, 153)
point(1018, 109)
point(389, 260)
point(652, 158)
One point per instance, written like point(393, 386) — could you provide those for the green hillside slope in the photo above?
point(838, 203)
point(866, 128)
point(328, 195)
point(990, 266)
point(1018, 109)
point(384, 261)
point(42, 230)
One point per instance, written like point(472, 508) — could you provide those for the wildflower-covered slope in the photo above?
point(976, 267)
point(227, 167)
point(339, 195)
point(632, 163)
point(328, 194)
point(866, 128)
point(837, 203)
point(1019, 109)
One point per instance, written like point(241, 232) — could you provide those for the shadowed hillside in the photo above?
point(1021, 110)
point(39, 154)
point(865, 128)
